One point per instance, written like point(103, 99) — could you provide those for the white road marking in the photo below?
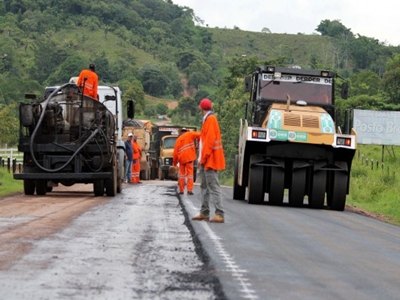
point(230, 265)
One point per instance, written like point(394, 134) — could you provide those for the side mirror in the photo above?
point(131, 109)
point(344, 92)
point(247, 83)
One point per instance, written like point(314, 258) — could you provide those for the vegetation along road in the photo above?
point(142, 244)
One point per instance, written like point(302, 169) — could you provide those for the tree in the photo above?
point(186, 112)
point(391, 79)
point(333, 29)
point(365, 83)
point(365, 51)
point(153, 80)
point(9, 125)
point(133, 90)
point(48, 57)
point(161, 109)
point(265, 30)
point(69, 68)
point(199, 73)
point(185, 59)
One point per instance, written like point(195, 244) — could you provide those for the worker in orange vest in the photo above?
point(88, 81)
point(137, 154)
point(212, 160)
point(185, 155)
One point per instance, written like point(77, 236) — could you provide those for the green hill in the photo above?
point(296, 49)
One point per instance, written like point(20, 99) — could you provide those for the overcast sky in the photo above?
point(374, 19)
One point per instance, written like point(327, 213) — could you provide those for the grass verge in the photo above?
point(8, 185)
point(374, 185)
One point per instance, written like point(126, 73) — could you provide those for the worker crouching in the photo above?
point(185, 155)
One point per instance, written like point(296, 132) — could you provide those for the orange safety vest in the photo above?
point(137, 151)
point(185, 148)
point(90, 86)
point(212, 152)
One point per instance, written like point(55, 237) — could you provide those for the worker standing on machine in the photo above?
point(88, 82)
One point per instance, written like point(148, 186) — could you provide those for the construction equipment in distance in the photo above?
point(289, 139)
point(161, 151)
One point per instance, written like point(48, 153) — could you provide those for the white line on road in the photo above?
point(231, 266)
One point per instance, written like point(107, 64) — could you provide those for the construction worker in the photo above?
point(128, 158)
point(185, 155)
point(211, 160)
point(137, 154)
point(88, 81)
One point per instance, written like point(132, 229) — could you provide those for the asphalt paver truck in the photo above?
point(67, 138)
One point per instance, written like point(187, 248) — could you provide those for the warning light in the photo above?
point(342, 141)
point(259, 134)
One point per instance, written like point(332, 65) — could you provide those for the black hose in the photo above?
point(45, 103)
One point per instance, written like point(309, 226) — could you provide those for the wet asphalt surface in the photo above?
point(138, 245)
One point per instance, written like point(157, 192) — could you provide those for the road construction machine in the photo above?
point(67, 138)
point(289, 140)
point(142, 130)
point(162, 145)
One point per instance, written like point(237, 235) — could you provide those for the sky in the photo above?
point(374, 19)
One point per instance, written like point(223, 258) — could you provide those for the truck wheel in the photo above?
point(41, 187)
point(111, 183)
point(98, 187)
point(255, 187)
point(111, 186)
point(239, 192)
point(316, 196)
point(29, 187)
point(337, 194)
point(297, 188)
point(276, 186)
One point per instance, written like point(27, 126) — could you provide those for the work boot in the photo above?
point(217, 219)
point(190, 193)
point(201, 217)
point(180, 193)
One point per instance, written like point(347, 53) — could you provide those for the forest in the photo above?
point(156, 51)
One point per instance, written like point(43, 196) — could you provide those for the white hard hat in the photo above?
point(130, 134)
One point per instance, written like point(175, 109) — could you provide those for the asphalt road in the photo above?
point(142, 244)
point(71, 245)
point(266, 252)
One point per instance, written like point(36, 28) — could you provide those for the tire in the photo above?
point(111, 185)
point(98, 187)
point(297, 188)
point(337, 197)
point(316, 197)
point(276, 186)
point(255, 187)
point(239, 192)
point(29, 187)
point(41, 187)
